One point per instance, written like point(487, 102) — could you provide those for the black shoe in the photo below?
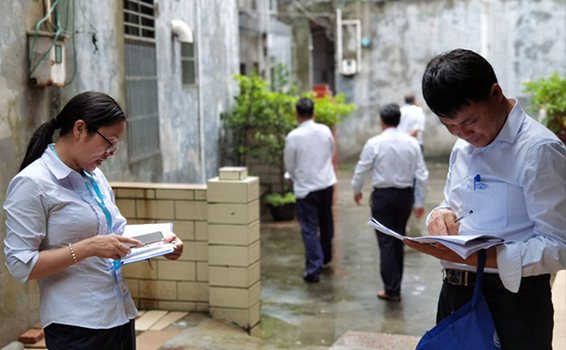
point(312, 278)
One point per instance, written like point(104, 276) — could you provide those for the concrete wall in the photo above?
point(23, 107)
point(523, 40)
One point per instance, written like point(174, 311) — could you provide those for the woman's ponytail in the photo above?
point(42, 137)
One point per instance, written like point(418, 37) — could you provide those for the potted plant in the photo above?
point(282, 207)
point(257, 128)
point(549, 100)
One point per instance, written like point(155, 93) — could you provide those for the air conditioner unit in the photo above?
point(349, 66)
point(47, 59)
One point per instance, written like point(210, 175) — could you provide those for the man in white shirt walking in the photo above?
point(309, 150)
point(412, 119)
point(396, 164)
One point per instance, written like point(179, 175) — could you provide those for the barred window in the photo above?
point(141, 80)
point(139, 18)
point(188, 71)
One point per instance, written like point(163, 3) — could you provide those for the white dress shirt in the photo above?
point(520, 196)
point(48, 206)
point(394, 160)
point(309, 150)
point(412, 117)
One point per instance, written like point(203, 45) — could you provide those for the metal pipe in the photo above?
point(200, 87)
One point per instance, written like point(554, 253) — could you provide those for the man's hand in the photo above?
point(439, 251)
point(419, 213)
point(442, 223)
point(358, 198)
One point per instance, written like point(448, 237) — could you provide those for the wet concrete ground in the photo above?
point(296, 313)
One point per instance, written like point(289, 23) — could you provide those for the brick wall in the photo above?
point(161, 284)
point(219, 225)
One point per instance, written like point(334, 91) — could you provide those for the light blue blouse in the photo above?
point(48, 206)
point(516, 187)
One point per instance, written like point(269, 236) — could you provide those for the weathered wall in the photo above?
point(522, 39)
point(24, 107)
point(179, 105)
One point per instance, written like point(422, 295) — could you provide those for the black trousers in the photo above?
point(314, 212)
point(63, 337)
point(523, 320)
point(392, 207)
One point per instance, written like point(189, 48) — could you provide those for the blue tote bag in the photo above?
point(469, 328)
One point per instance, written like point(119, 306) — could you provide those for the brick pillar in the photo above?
point(233, 248)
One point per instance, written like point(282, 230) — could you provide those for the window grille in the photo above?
point(188, 71)
point(141, 79)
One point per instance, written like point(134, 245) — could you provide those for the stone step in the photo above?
point(374, 341)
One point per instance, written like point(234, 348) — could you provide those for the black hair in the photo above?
point(305, 107)
point(390, 114)
point(94, 108)
point(410, 98)
point(456, 79)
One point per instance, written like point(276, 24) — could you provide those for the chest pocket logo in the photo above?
point(482, 186)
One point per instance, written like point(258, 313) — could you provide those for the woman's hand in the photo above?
point(104, 246)
point(110, 246)
point(170, 237)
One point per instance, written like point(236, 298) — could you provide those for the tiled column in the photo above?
point(233, 248)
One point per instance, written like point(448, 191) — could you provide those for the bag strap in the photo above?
point(482, 257)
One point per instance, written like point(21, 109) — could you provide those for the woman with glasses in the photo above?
point(64, 229)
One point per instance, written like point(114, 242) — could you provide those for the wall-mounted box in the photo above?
point(47, 59)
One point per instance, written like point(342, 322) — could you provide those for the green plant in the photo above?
point(331, 110)
point(277, 200)
point(549, 95)
point(259, 123)
point(261, 119)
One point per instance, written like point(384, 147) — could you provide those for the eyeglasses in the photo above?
point(112, 148)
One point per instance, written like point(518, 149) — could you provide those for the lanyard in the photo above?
point(98, 197)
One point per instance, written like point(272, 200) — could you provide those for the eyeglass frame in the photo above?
point(112, 145)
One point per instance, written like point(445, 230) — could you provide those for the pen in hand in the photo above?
point(463, 215)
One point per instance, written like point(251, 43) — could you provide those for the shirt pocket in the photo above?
point(489, 204)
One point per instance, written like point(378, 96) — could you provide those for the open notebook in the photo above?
point(461, 245)
point(150, 250)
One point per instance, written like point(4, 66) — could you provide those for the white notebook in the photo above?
point(461, 245)
point(150, 250)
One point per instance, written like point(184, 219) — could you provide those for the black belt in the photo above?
point(468, 278)
point(462, 278)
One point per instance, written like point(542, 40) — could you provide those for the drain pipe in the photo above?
point(200, 87)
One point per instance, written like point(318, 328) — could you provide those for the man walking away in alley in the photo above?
point(511, 171)
point(309, 150)
point(412, 119)
point(396, 163)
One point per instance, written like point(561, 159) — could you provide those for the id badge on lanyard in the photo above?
point(115, 265)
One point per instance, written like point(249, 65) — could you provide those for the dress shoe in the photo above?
point(311, 278)
point(385, 296)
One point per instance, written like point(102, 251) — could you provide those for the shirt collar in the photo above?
point(59, 169)
point(512, 125)
point(306, 123)
point(390, 130)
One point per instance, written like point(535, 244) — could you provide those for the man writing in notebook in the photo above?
point(511, 171)
point(396, 163)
